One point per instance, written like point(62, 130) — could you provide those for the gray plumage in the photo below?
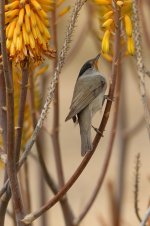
point(87, 100)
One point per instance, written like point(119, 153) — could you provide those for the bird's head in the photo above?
point(93, 63)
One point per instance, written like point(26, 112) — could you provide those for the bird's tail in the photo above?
point(86, 143)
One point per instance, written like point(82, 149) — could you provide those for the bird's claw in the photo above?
point(97, 131)
point(106, 97)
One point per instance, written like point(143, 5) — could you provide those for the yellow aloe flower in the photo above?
point(108, 15)
point(2, 164)
point(105, 41)
point(27, 29)
point(128, 25)
point(120, 3)
point(108, 57)
point(64, 11)
point(106, 12)
point(103, 2)
point(130, 46)
point(41, 71)
point(107, 23)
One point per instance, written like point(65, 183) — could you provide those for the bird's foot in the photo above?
point(106, 97)
point(97, 131)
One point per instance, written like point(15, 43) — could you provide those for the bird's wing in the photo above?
point(86, 90)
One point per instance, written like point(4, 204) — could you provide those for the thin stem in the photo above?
point(42, 198)
point(55, 130)
point(136, 186)
point(27, 184)
point(3, 116)
point(3, 125)
point(123, 145)
point(140, 65)
point(22, 103)
point(111, 198)
point(67, 212)
point(143, 20)
point(3, 206)
point(11, 164)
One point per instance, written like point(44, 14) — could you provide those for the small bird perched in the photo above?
point(87, 99)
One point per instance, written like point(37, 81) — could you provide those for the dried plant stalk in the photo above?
point(140, 64)
point(136, 186)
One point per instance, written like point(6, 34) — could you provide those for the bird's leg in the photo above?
point(106, 97)
point(97, 131)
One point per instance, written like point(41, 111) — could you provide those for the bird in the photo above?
point(88, 98)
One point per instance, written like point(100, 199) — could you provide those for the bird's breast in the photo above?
point(96, 104)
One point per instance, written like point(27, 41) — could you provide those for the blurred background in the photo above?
point(128, 142)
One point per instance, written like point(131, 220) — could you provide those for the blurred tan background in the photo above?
point(70, 143)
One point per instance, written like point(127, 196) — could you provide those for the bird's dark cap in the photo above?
point(89, 64)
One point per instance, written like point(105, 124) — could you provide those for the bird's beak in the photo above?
point(97, 57)
point(96, 60)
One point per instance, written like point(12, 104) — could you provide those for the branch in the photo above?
point(145, 28)
point(3, 116)
point(140, 65)
point(112, 203)
point(27, 184)
point(3, 156)
point(22, 102)
point(143, 20)
point(11, 164)
point(136, 187)
point(31, 217)
point(123, 145)
point(3, 206)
